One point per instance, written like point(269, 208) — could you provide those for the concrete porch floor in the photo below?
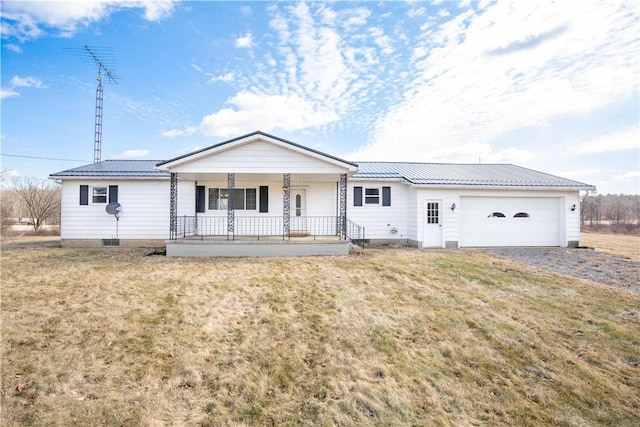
point(252, 246)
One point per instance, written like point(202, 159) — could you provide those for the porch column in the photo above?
point(343, 206)
point(286, 205)
point(173, 207)
point(231, 213)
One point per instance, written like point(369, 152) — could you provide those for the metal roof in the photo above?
point(114, 168)
point(427, 174)
point(451, 174)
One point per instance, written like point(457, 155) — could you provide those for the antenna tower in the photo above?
point(103, 58)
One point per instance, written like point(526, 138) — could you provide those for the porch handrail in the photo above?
point(264, 226)
point(356, 233)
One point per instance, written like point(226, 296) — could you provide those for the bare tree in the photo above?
point(40, 198)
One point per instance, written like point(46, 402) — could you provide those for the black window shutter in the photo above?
point(84, 194)
point(386, 196)
point(357, 196)
point(200, 198)
point(264, 198)
point(113, 193)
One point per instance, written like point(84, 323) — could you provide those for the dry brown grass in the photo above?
point(626, 246)
point(391, 337)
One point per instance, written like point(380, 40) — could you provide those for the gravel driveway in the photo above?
point(584, 264)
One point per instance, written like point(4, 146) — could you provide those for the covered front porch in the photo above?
point(256, 196)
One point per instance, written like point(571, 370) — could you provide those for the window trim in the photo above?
point(372, 199)
point(94, 195)
point(245, 200)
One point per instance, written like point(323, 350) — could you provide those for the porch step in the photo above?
point(299, 233)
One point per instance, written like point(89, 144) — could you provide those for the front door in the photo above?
point(299, 211)
point(433, 224)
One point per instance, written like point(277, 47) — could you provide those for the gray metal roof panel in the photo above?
point(455, 174)
point(114, 168)
point(440, 174)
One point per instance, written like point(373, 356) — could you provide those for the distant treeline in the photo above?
point(620, 211)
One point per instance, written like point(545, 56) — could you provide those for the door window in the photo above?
point(433, 213)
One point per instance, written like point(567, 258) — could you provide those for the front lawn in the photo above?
point(390, 337)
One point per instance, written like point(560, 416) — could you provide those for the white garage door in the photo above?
point(510, 221)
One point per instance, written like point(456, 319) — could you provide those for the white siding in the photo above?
point(572, 217)
point(449, 217)
point(258, 157)
point(144, 215)
point(379, 220)
point(321, 198)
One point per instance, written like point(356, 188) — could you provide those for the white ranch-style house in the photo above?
point(260, 195)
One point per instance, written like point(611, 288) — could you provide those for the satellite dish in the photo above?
point(114, 208)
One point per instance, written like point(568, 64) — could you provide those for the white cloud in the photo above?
point(8, 93)
point(171, 133)
point(356, 17)
point(28, 81)
point(506, 68)
point(312, 86)
point(628, 176)
point(26, 20)
point(510, 155)
point(419, 11)
point(132, 154)
point(245, 41)
point(222, 78)
point(627, 139)
point(264, 112)
point(18, 81)
point(13, 47)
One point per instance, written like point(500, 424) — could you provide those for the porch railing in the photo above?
point(265, 226)
point(355, 233)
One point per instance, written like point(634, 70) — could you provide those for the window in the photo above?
point(243, 199)
point(98, 194)
point(433, 213)
point(497, 215)
point(521, 215)
point(250, 199)
point(372, 196)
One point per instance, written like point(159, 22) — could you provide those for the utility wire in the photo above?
point(45, 158)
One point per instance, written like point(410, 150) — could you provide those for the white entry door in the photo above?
point(432, 224)
point(298, 201)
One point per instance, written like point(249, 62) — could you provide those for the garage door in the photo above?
point(510, 221)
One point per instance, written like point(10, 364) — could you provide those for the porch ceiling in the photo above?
point(260, 177)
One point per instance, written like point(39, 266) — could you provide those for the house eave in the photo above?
point(167, 165)
point(108, 177)
point(523, 187)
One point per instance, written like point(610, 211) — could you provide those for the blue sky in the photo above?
point(552, 86)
